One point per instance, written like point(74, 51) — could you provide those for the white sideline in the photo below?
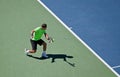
point(78, 38)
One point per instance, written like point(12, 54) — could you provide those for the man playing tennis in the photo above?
point(36, 35)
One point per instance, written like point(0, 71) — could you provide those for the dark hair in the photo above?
point(44, 25)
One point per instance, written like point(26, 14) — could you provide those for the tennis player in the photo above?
point(35, 40)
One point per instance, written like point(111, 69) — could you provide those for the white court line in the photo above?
point(114, 67)
point(78, 38)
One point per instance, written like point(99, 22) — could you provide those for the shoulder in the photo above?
point(38, 28)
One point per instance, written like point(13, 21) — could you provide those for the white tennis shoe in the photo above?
point(26, 51)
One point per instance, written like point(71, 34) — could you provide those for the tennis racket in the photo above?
point(50, 40)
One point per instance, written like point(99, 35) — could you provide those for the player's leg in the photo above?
point(44, 44)
point(34, 47)
point(44, 49)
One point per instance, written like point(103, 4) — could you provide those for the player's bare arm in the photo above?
point(46, 36)
point(32, 32)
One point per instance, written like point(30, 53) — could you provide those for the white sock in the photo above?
point(44, 53)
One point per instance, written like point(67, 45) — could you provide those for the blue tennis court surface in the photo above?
point(96, 22)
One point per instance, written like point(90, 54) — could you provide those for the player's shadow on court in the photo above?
point(64, 57)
